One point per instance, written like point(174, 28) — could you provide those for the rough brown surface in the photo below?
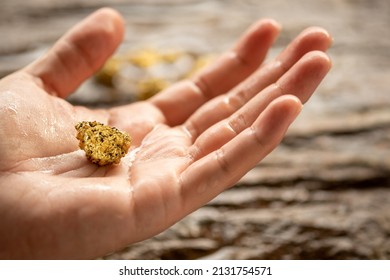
point(324, 193)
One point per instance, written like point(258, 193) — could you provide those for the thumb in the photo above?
point(79, 53)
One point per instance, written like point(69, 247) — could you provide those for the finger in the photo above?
point(223, 106)
point(79, 53)
point(301, 80)
point(222, 168)
point(181, 100)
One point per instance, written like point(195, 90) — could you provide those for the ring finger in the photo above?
point(301, 80)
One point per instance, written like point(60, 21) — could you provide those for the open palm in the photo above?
point(190, 142)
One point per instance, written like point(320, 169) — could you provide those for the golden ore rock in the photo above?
point(103, 145)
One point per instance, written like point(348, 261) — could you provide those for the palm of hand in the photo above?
point(58, 173)
point(55, 203)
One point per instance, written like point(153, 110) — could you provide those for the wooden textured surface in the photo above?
point(325, 192)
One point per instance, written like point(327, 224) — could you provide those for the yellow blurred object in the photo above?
point(144, 72)
point(149, 87)
point(147, 57)
point(109, 69)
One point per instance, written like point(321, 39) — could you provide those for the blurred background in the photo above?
point(324, 193)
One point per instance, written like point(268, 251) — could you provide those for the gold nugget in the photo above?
point(102, 144)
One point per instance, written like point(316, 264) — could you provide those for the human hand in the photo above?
point(190, 142)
